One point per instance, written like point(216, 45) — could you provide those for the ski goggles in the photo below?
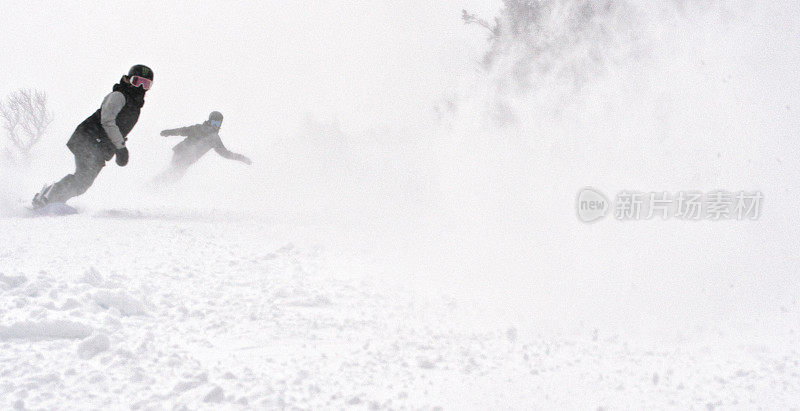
point(216, 123)
point(137, 81)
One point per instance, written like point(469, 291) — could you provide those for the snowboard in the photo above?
point(54, 209)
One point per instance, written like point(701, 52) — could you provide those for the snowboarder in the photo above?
point(101, 137)
point(200, 138)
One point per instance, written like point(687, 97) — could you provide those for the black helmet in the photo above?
point(141, 71)
point(215, 115)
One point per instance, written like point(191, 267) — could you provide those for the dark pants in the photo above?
point(89, 160)
point(180, 164)
point(177, 168)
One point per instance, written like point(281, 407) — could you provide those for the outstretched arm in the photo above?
point(224, 152)
point(183, 131)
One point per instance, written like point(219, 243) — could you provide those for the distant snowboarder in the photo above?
point(101, 137)
point(200, 138)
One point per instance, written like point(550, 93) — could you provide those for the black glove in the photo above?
point(122, 156)
point(164, 133)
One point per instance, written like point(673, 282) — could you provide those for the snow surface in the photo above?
point(237, 313)
point(406, 237)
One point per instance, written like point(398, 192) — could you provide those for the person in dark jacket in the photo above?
point(101, 137)
point(200, 139)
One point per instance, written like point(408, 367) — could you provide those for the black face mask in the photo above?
point(136, 93)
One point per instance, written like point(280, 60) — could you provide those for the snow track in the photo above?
point(155, 311)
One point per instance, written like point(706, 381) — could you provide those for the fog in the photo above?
point(380, 125)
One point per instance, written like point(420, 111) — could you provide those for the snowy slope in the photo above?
point(407, 235)
point(158, 310)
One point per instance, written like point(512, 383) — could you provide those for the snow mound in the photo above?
point(215, 395)
point(13, 281)
point(93, 277)
point(92, 346)
point(45, 330)
point(120, 300)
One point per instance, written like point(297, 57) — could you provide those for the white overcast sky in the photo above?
point(258, 61)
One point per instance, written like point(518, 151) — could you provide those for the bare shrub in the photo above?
point(25, 119)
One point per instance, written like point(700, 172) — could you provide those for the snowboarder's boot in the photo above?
point(40, 199)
